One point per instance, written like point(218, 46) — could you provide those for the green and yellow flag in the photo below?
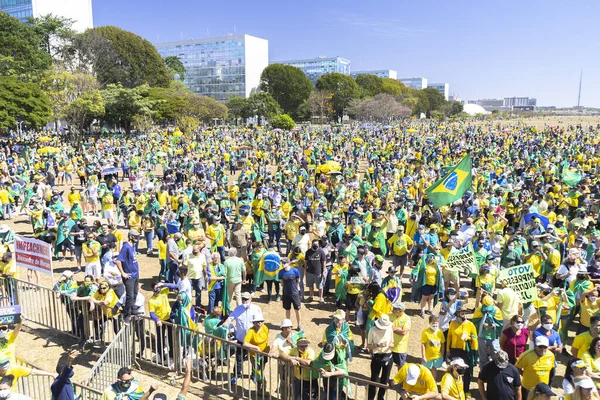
point(569, 177)
point(453, 185)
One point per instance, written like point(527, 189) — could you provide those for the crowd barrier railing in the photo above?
point(38, 387)
point(118, 354)
point(41, 305)
point(168, 346)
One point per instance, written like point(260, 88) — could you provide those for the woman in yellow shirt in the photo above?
point(590, 305)
point(452, 386)
point(462, 341)
point(105, 298)
point(432, 339)
point(256, 339)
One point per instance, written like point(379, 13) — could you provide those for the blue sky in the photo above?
point(483, 49)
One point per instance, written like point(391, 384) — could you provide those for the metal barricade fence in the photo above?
point(262, 376)
point(38, 387)
point(43, 306)
point(117, 355)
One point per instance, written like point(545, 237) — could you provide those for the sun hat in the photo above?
point(286, 323)
point(541, 341)
point(585, 383)
point(383, 322)
point(399, 306)
point(339, 314)
point(459, 362)
point(328, 352)
point(501, 359)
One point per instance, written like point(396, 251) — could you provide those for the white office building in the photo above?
point(80, 11)
point(221, 67)
point(382, 73)
point(443, 88)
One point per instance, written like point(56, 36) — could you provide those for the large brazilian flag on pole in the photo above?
point(453, 185)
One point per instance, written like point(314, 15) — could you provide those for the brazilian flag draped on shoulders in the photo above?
point(453, 185)
point(569, 177)
point(268, 268)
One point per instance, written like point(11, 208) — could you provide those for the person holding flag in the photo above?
point(268, 270)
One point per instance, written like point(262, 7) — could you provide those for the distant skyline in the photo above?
point(532, 48)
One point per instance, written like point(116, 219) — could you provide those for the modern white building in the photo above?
point(221, 67)
point(382, 73)
point(80, 11)
point(314, 68)
point(414, 83)
point(443, 88)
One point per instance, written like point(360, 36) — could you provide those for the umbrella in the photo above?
point(387, 127)
point(161, 154)
point(48, 150)
point(111, 170)
point(44, 139)
point(278, 130)
point(358, 140)
point(329, 166)
point(334, 173)
point(177, 133)
point(411, 130)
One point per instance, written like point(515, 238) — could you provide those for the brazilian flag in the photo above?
point(268, 268)
point(569, 177)
point(453, 185)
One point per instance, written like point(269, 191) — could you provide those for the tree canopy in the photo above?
point(22, 51)
point(343, 89)
point(288, 85)
point(119, 56)
point(369, 85)
point(176, 67)
point(22, 101)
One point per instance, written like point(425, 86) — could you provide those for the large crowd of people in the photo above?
point(336, 218)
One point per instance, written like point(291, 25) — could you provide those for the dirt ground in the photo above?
point(44, 347)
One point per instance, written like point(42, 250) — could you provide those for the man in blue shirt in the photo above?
point(290, 277)
point(547, 330)
point(130, 271)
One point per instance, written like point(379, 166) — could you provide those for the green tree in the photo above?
point(283, 121)
point(22, 101)
point(435, 98)
point(57, 36)
point(238, 108)
point(319, 103)
point(176, 67)
point(117, 56)
point(343, 88)
point(82, 111)
point(288, 85)
point(392, 87)
point(262, 104)
point(456, 108)
point(123, 104)
point(187, 123)
point(303, 112)
point(22, 52)
point(422, 106)
point(369, 85)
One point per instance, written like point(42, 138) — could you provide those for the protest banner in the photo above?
point(10, 315)
point(33, 254)
point(462, 260)
point(520, 279)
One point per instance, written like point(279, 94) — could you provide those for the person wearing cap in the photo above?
point(547, 329)
point(377, 239)
point(257, 339)
point(576, 369)
point(584, 389)
point(401, 325)
point(380, 342)
point(339, 334)
point(130, 272)
point(484, 282)
point(284, 341)
point(242, 317)
point(499, 379)
point(306, 385)
point(375, 273)
point(401, 246)
point(64, 288)
point(451, 385)
point(415, 381)
point(333, 368)
point(541, 392)
point(535, 365)
point(488, 320)
point(91, 250)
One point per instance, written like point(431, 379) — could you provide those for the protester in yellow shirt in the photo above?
point(535, 365)
point(257, 339)
point(401, 326)
point(432, 339)
point(451, 385)
point(417, 381)
point(401, 245)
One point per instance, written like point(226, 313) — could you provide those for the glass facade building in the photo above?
point(382, 73)
point(443, 88)
point(221, 67)
point(80, 11)
point(315, 67)
point(21, 9)
point(414, 83)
